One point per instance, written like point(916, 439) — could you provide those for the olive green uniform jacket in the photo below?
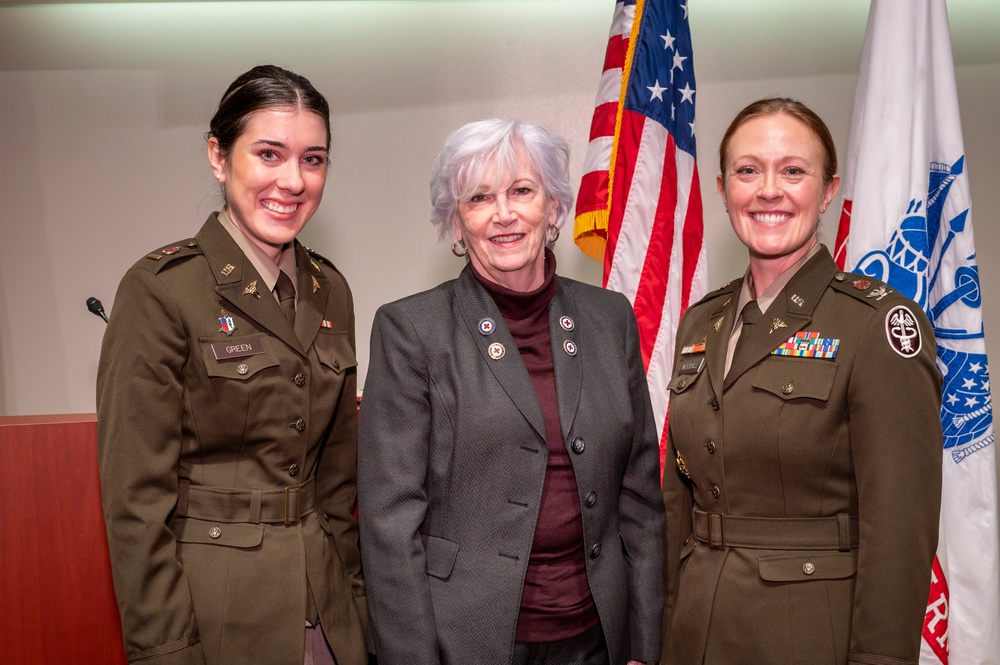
point(820, 478)
point(228, 459)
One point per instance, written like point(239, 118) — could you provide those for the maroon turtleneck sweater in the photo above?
point(556, 603)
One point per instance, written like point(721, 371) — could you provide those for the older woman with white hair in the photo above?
point(508, 463)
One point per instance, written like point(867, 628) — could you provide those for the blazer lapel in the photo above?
point(475, 305)
point(566, 356)
point(239, 283)
point(313, 293)
point(790, 312)
point(720, 325)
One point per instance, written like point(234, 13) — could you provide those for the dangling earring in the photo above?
point(552, 238)
point(454, 248)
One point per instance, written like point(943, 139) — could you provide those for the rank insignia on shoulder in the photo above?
point(808, 345)
point(902, 331)
point(861, 284)
point(688, 349)
point(170, 250)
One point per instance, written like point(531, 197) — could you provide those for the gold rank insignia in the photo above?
point(251, 289)
point(681, 466)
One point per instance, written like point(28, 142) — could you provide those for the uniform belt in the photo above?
point(226, 504)
point(718, 531)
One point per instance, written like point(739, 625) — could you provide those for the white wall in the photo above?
point(102, 111)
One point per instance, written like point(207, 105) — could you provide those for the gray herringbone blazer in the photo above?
point(452, 457)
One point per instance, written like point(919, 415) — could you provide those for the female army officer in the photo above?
point(226, 412)
point(802, 511)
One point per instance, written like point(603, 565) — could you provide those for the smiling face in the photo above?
point(773, 187)
point(274, 175)
point(504, 227)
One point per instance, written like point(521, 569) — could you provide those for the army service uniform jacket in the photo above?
point(228, 457)
point(802, 490)
point(452, 457)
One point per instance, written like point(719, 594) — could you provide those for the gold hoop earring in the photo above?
point(552, 239)
point(454, 248)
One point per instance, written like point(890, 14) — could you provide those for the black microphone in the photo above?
point(95, 307)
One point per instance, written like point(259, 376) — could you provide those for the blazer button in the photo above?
point(591, 500)
point(808, 568)
point(714, 403)
point(293, 470)
point(578, 445)
point(299, 425)
point(787, 389)
point(710, 446)
point(214, 533)
point(714, 489)
point(595, 550)
point(336, 364)
point(299, 379)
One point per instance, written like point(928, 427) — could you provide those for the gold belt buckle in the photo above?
point(722, 531)
point(288, 501)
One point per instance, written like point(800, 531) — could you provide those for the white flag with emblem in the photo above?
point(907, 220)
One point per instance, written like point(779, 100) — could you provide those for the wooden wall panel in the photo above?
point(57, 603)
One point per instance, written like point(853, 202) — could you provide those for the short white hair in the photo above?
point(485, 146)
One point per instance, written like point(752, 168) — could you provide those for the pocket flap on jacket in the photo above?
point(682, 382)
point(803, 566)
point(334, 350)
point(441, 555)
point(238, 358)
point(795, 378)
point(191, 530)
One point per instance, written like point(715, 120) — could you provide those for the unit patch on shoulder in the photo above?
point(902, 331)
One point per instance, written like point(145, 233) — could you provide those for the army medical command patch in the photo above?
point(902, 331)
point(808, 345)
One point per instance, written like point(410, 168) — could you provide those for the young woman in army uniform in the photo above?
point(226, 408)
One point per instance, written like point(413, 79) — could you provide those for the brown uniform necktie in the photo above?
point(286, 295)
point(752, 317)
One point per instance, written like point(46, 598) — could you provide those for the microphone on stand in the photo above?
point(96, 308)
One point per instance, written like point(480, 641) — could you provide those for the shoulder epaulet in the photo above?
point(315, 257)
point(725, 289)
point(158, 259)
point(865, 288)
